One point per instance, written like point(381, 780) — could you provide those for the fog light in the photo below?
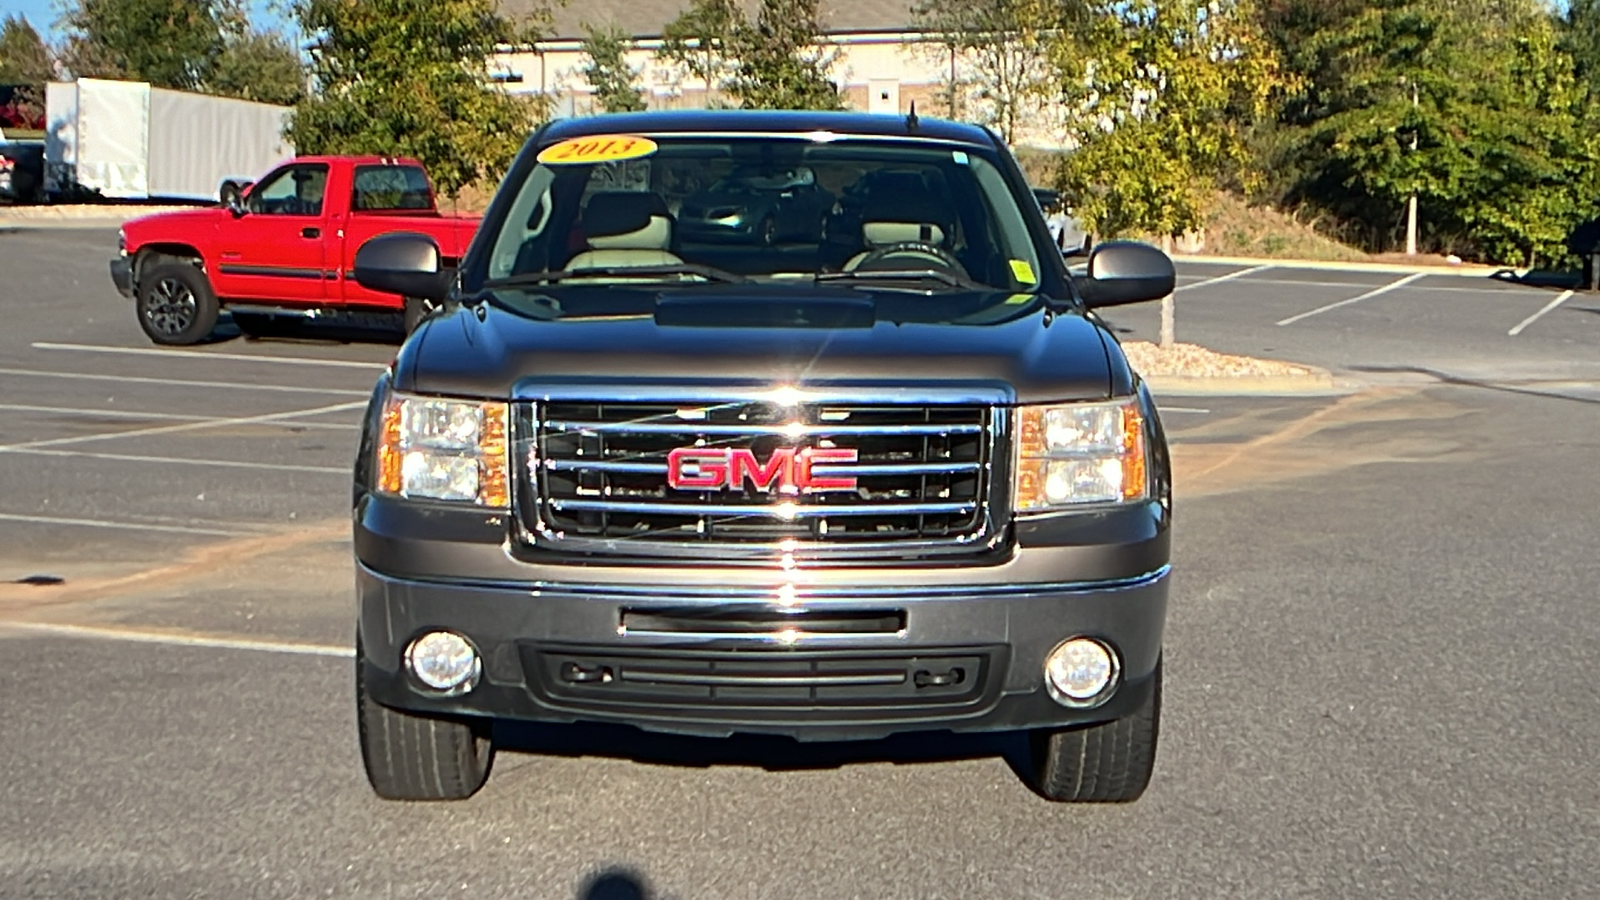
point(1080, 672)
point(444, 661)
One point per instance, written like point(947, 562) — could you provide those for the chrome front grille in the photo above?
point(600, 471)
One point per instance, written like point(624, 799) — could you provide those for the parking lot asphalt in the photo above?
point(1380, 654)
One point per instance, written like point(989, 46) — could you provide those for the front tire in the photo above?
point(1110, 762)
point(414, 757)
point(176, 305)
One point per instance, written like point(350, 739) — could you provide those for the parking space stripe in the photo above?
point(186, 426)
point(143, 636)
point(207, 354)
point(1369, 294)
point(1221, 278)
point(168, 383)
point(155, 416)
point(1560, 299)
point(1508, 290)
point(185, 461)
point(128, 526)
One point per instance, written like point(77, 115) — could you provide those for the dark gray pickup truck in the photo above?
point(881, 471)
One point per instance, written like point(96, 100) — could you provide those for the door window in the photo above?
point(291, 191)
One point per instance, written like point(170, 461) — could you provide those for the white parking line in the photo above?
point(1560, 299)
point(1183, 409)
point(155, 416)
point(184, 461)
point(129, 526)
point(1221, 278)
point(208, 354)
point(186, 426)
point(1369, 294)
point(170, 383)
point(142, 636)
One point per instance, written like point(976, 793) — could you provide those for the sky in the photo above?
point(42, 14)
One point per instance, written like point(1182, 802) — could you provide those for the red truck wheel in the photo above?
point(176, 304)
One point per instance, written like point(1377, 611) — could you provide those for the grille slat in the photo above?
point(921, 475)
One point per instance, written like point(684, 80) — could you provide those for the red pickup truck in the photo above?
point(285, 247)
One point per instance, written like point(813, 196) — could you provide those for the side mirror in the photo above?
point(232, 196)
point(1122, 272)
point(402, 263)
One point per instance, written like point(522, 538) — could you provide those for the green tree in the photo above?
point(1006, 47)
point(782, 63)
point(24, 59)
point(698, 40)
point(259, 66)
point(169, 43)
point(410, 77)
point(1580, 39)
point(1158, 94)
point(1469, 105)
point(615, 82)
point(777, 61)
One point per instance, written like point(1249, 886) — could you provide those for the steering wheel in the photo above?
point(934, 252)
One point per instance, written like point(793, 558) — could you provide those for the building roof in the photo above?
point(766, 122)
point(648, 18)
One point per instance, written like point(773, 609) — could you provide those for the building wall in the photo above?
point(875, 73)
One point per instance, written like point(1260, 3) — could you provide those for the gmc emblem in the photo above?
point(788, 469)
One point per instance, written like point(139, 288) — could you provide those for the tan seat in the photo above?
point(903, 215)
point(877, 235)
point(625, 229)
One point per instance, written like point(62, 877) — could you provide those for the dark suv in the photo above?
point(896, 477)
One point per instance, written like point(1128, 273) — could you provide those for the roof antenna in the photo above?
point(911, 117)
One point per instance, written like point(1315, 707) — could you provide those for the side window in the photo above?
point(390, 188)
point(291, 191)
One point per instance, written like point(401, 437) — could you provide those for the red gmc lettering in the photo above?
point(787, 469)
point(691, 467)
point(779, 469)
point(812, 455)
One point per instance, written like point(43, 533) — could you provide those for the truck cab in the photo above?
point(283, 247)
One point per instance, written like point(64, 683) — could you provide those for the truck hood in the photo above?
point(514, 346)
point(176, 225)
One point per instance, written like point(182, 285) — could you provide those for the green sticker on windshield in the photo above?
point(1023, 271)
point(1017, 299)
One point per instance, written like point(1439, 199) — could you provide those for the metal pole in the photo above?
point(1411, 204)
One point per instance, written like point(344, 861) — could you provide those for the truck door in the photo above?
point(276, 250)
point(386, 197)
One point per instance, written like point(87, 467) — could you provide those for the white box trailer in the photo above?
point(127, 140)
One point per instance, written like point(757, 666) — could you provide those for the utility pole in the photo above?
point(1411, 204)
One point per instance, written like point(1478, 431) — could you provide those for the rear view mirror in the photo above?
point(402, 263)
point(1122, 272)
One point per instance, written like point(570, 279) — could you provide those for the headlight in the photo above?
point(122, 242)
point(1078, 454)
point(444, 450)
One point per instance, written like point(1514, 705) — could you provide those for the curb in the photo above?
point(9, 225)
point(1467, 270)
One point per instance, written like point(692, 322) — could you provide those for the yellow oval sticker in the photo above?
point(599, 148)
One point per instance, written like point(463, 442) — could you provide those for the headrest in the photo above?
point(626, 220)
point(897, 219)
point(882, 234)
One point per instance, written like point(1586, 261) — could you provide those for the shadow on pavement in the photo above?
point(772, 753)
point(1554, 279)
point(615, 884)
point(1514, 386)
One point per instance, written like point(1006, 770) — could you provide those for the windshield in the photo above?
point(627, 209)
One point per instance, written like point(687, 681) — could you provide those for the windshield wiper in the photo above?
point(901, 275)
point(550, 276)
